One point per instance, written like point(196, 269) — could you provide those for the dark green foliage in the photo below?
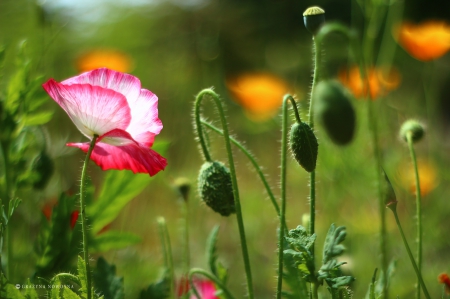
point(304, 145)
point(43, 167)
point(330, 270)
point(215, 188)
point(157, 290)
point(300, 243)
point(335, 111)
point(106, 282)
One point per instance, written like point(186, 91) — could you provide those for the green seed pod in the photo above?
point(413, 127)
point(215, 188)
point(43, 166)
point(304, 145)
point(335, 111)
point(313, 17)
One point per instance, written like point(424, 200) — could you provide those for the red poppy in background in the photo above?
point(445, 279)
point(425, 41)
point(260, 94)
point(380, 82)
point(111, 59)
point(113, 106)
point(205, 288)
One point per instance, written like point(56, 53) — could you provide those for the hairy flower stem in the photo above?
point(312, 176)
point(211, 277)
point(413, 262)
point(283, 188)
point(167, 252)
point(418, 208)
point(187, 263)
point(83, 218)
point(237, 201)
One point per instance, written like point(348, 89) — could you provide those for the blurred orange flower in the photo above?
point(261, 94)
point(112, 59)
point(427, 176)
point(445, 279)
point(425, 41)
point(380, 81)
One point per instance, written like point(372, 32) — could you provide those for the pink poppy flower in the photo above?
point(206, 289)
point(113, 106)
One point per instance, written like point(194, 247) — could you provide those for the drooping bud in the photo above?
point(390, 199)
point(43, 167)
point(414, 128)
point(313, 17)
point(215, 188)
point(304, 145)
point(335, 111)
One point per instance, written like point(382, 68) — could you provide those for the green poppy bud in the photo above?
point(43, 166)
point(304, 145)
point(215, 188)
point(314, 17)
point(335, 111)
point(414, 128)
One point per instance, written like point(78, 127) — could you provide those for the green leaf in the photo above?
point(30, 292)
point(340, 281)
point(82, 275)
point(36, 119)
point(69, 294)
point(119, 187)
point(106, 281)
point(300, 240)
point(112, 240)
point(157, 290)
point(332, 247)
point(13, 204)
point(7, 290)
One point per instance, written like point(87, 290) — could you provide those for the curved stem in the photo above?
point(210, 277)
point(413, 262)
point(198, 126)
point(83, 218)
point(418, 207)
point(237, 201)
point(167, 252)
point(283, 190)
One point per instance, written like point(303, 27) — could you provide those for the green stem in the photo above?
point(187, 263)
point(198, 127)
point(83, 217)
point(237, 201)
point(211, 277)
point(283, 188)
point(413, 262)
point(167, 252)
point(418, 207)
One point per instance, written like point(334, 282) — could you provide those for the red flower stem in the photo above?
point(211, 277)
point(83, 218)
point(240, 221)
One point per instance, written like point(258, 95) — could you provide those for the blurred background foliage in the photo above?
point(177, 48)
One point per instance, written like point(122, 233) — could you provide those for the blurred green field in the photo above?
point(177, 48)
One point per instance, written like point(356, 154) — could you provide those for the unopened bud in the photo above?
point(314, 17)
point(304, 145)
point(414, 128)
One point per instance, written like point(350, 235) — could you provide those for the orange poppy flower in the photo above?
point(111, 59)
point(427, 176)
point(261, 94)
point(380, 81)
point(445, 279)
point(425, 41)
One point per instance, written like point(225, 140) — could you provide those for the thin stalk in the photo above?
point(211, 277)
point(418, 208)
point(237, 201)
point(413, 262)
point(187, 254)
point(167, 252)
point(283, 189)
point(83, 218)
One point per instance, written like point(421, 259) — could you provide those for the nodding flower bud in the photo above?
point(183, 186)
point(414, 128)
point(304, 145)
point(335, 111)
point(314, 17)
point(43, 167)
point(215, 188)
